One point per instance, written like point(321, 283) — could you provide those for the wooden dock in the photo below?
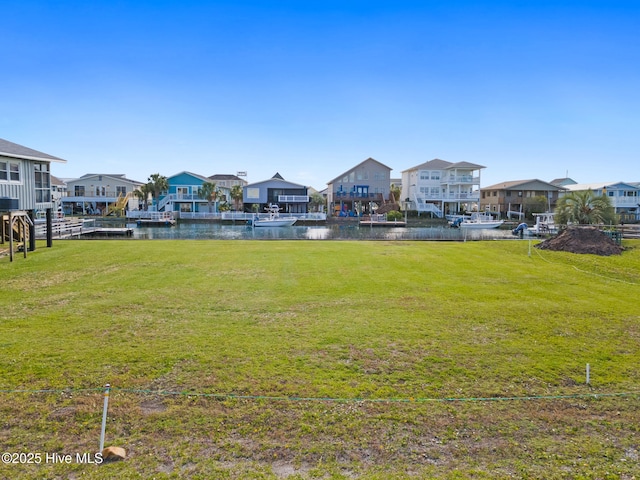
point(76, 227)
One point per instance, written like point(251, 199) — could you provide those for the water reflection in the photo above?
point(202, 231)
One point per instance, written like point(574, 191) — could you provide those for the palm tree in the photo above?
point(143, 194)
point(236, 195)
point(584, 208)
point(317, 201)
point(395, 192)
point(158, 184)
point(209, 192)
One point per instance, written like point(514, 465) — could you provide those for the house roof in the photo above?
point(278, 180)
point(56, 181)
point(224, 176)
point(10, 149)
point(522, 184)
point(356, 166)
point(438, 164)
point(185, 172)
point(117, 176)
point(466, 165)
point(598, 186)
point(563, 181)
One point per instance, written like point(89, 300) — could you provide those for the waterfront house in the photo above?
point(184, 196)
point(439, 187)
point(518, 198)
point(227, 180)
point(100, 193)
point(625, 197)
point(290, 197)
point(361, 189)
point(25, 191)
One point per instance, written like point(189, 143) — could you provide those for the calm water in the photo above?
point(202, 231)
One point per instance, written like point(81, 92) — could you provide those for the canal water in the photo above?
point(214, 231)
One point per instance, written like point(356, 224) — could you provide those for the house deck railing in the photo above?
point(244, 216)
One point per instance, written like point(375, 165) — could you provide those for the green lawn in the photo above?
point(322, 359)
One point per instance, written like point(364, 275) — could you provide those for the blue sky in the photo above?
point(529, 89)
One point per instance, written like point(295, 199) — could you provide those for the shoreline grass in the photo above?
point(361, 323)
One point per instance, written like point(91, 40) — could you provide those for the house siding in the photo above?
point(24, 190)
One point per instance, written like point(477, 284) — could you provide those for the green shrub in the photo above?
point(394, 215)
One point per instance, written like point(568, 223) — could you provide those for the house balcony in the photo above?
point(625, 202)
point(364, 197)
point(293, 198)
point(89, 198)
point(460, 180)
point(106, 195)
point(450, 197)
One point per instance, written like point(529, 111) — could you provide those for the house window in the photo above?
point(121, 190)
point(10, 171)
point(435, 175)
point(78, 191)
point(424, 175)
point(42, 182)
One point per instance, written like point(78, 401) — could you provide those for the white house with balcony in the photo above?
point(96, 193)
point(625, 197)
point(442, 188)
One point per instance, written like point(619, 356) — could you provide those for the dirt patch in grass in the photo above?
point(582, 240)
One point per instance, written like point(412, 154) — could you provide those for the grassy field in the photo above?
point(302, 359)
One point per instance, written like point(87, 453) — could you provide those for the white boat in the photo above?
point(477, 220)
point(545, 225)
point(273, 219)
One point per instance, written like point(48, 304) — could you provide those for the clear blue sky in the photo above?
point(529, 89)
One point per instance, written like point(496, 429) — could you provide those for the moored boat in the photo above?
point(477, 220)
point(273, 219)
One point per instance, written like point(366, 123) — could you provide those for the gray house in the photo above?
point(25, 191)
point(357, 190)
point(290, 197)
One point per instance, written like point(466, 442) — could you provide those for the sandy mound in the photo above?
point(582, 240)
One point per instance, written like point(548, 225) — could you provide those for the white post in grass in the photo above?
point(588, 375)
point(104, 415)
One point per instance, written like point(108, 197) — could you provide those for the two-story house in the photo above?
point(25, 190)
point(359, 190)
point(520, 197)
point(440, 187)
point(290, 197)
point(229, 181)
point(184, 195)
point(625, 197)
point(99, 193)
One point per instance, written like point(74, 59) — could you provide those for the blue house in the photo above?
point(183, 195)
point(290, 197)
